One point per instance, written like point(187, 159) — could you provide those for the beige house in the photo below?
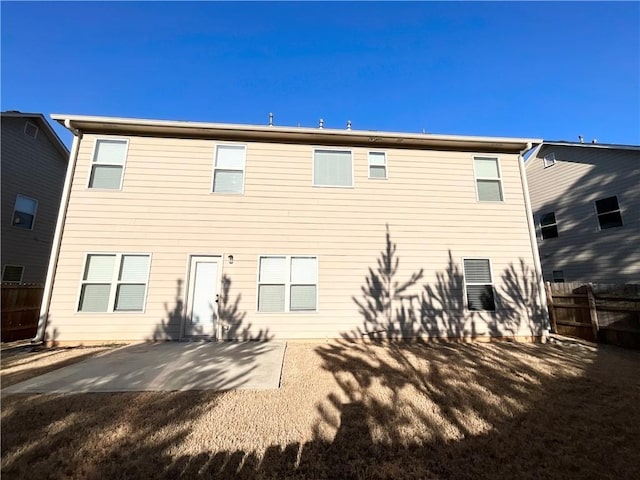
point(180, 230)
point(586, 204)
point(34, 162)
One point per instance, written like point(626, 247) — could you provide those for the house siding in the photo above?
point(569, 188)
point(165, 208)
point(36, 168)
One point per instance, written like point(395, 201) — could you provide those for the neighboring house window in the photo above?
point(114, 283)
point(12, 273)
point(479, 284)
point(608, 211)
point(488, 179)
point(30, 129)
point(377, 165)
point(107, 167)
point(24, 212)
point(548, 225)
point(549, 160)
point(558, 276)
point(332, 168)
point(228, 170)
point(287, 283)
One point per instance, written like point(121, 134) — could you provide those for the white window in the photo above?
point(12, 273)
point(287, 284)
point(377, 165)
point(228, 169)
point(332, 168)
point(549, 160)
point(488, 179)
point(608, 211)
point(31, 130)
point(114, 282)
point(548, 225)
point(107, 167)
point(558, 276)
point(24, 212)
point(479, 284)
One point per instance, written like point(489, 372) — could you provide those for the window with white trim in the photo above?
point(549, 159)
point(287, 283)
point(114, 282)
point(332, 168)
point(377, 165)
point(107, 166)
point(478, 284)
point(548, 225)
point(488, 179)
point(608, 211)
point(558, 276)
point(12, 273)
point(228, 169)
point(24, 212)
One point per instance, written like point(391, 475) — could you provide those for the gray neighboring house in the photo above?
point(34, 164)
point(585, 199)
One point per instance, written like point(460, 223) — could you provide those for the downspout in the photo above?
point(57, 236)
point(542, 295)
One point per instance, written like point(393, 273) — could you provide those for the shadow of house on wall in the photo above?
point(229, 315)
point(392, 309)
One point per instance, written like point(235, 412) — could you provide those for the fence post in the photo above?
point(593, 311)
point(552, 311)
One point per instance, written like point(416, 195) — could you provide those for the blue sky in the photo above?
point(545, 70)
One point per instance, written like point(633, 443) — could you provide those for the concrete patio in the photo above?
point(167, 366)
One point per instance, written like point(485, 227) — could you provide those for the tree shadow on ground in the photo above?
point(437, 410)
point(394, 410)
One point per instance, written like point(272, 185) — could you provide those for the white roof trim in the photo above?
point(78, 121)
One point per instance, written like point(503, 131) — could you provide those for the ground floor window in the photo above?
point(114, 282)
point(12, 273)
point(478, 283)
point(287, 283)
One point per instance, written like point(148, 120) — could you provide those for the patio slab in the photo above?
point(167, 366)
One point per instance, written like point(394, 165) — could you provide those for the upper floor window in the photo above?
point(479, 284)
point(332, 168)
point(24, 212)
point(608, 211)
point(548, 225)
point(228, 170)
point(549, 160)
point(377, 165)
point(287, 283)
point(31, 129)
point(114, 283)
point(488, 179)
point(107, 167)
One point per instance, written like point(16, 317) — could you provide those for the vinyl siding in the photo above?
point(165, 208)
point(569, 188)
point(35, 168)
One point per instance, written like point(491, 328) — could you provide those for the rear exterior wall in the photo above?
point(428, 204)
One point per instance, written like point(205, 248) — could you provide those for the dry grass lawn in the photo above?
point(347, 410)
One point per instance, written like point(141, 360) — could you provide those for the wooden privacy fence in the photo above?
point(608, 313)
point(20, 310)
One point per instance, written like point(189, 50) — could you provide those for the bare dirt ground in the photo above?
point(354, 410)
